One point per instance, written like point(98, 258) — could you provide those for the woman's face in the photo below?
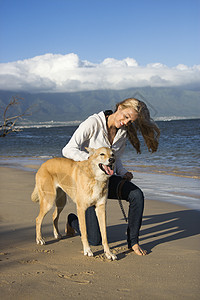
point(124, 117)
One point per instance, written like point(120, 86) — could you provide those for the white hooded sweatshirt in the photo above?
point(93, 133)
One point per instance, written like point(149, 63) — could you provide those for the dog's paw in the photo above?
point(40, 241)
point(111, 256)
point(57, 236)
point(88, 252)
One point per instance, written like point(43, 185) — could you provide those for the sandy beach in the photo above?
point(59, 270)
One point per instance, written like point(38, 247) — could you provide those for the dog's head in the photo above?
point(103, 158)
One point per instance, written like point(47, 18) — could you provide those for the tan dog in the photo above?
point(85, 182)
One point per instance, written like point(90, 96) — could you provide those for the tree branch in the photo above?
point(8, 122)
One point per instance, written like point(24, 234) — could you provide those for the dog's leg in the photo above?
point(44, 208)
point(101, 215)
point(47, 196)
point(82, 224)
point(60, 204)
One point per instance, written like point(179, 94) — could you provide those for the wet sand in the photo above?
point(59, 270)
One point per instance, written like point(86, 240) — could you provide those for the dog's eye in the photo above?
point(102, 154)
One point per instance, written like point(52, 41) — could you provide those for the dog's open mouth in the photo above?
point(107, 169)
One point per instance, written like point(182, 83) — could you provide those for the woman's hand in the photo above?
point(128, 176)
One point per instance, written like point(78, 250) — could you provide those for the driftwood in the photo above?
point(8, 123)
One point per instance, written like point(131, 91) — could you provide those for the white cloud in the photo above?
point(67, 73)
point(114, 63)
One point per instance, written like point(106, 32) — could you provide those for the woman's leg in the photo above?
point(93, 230)
point(131, 193)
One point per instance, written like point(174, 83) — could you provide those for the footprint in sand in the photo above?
point(3, 253)
point(123, 290)
point(33, 273)
point(44, 251)
point(2, 282)
point(75, 277)
point(33, 261)
point(118, 250)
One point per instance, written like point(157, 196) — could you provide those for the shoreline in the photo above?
point(170, 233)
point(53, 123)
point(156, 184)
point(23, 162)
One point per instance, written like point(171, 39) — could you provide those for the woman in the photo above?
point(111, 129)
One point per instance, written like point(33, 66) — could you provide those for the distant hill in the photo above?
point(163, 102)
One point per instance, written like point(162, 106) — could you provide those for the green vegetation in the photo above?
point(177, 101)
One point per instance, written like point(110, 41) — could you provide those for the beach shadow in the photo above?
point(157, 229)
point(169, 227)
point(161, 228)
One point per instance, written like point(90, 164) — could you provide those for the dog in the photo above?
point(85, 182)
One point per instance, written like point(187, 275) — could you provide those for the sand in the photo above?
point(59, 270)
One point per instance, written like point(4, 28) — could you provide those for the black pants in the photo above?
point(131, 193)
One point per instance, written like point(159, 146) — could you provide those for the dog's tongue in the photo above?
point(108, 170)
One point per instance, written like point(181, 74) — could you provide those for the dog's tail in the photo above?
point(34, 195)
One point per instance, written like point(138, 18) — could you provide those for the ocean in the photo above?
point(171, 174)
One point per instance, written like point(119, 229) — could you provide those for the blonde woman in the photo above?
point(111, 129)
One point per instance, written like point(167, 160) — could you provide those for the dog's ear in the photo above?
point(90, 150)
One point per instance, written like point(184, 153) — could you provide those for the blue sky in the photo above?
point(164, 31)
point(76, 45)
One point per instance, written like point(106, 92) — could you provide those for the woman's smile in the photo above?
point(125, 116)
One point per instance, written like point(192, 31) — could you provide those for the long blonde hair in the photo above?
point(143, 124)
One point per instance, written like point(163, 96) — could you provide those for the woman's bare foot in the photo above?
point(138, 250)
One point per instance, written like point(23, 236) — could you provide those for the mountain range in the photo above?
point(171, 102)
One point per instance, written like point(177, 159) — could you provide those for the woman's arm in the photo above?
point(120, 170)
point(75, 147)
